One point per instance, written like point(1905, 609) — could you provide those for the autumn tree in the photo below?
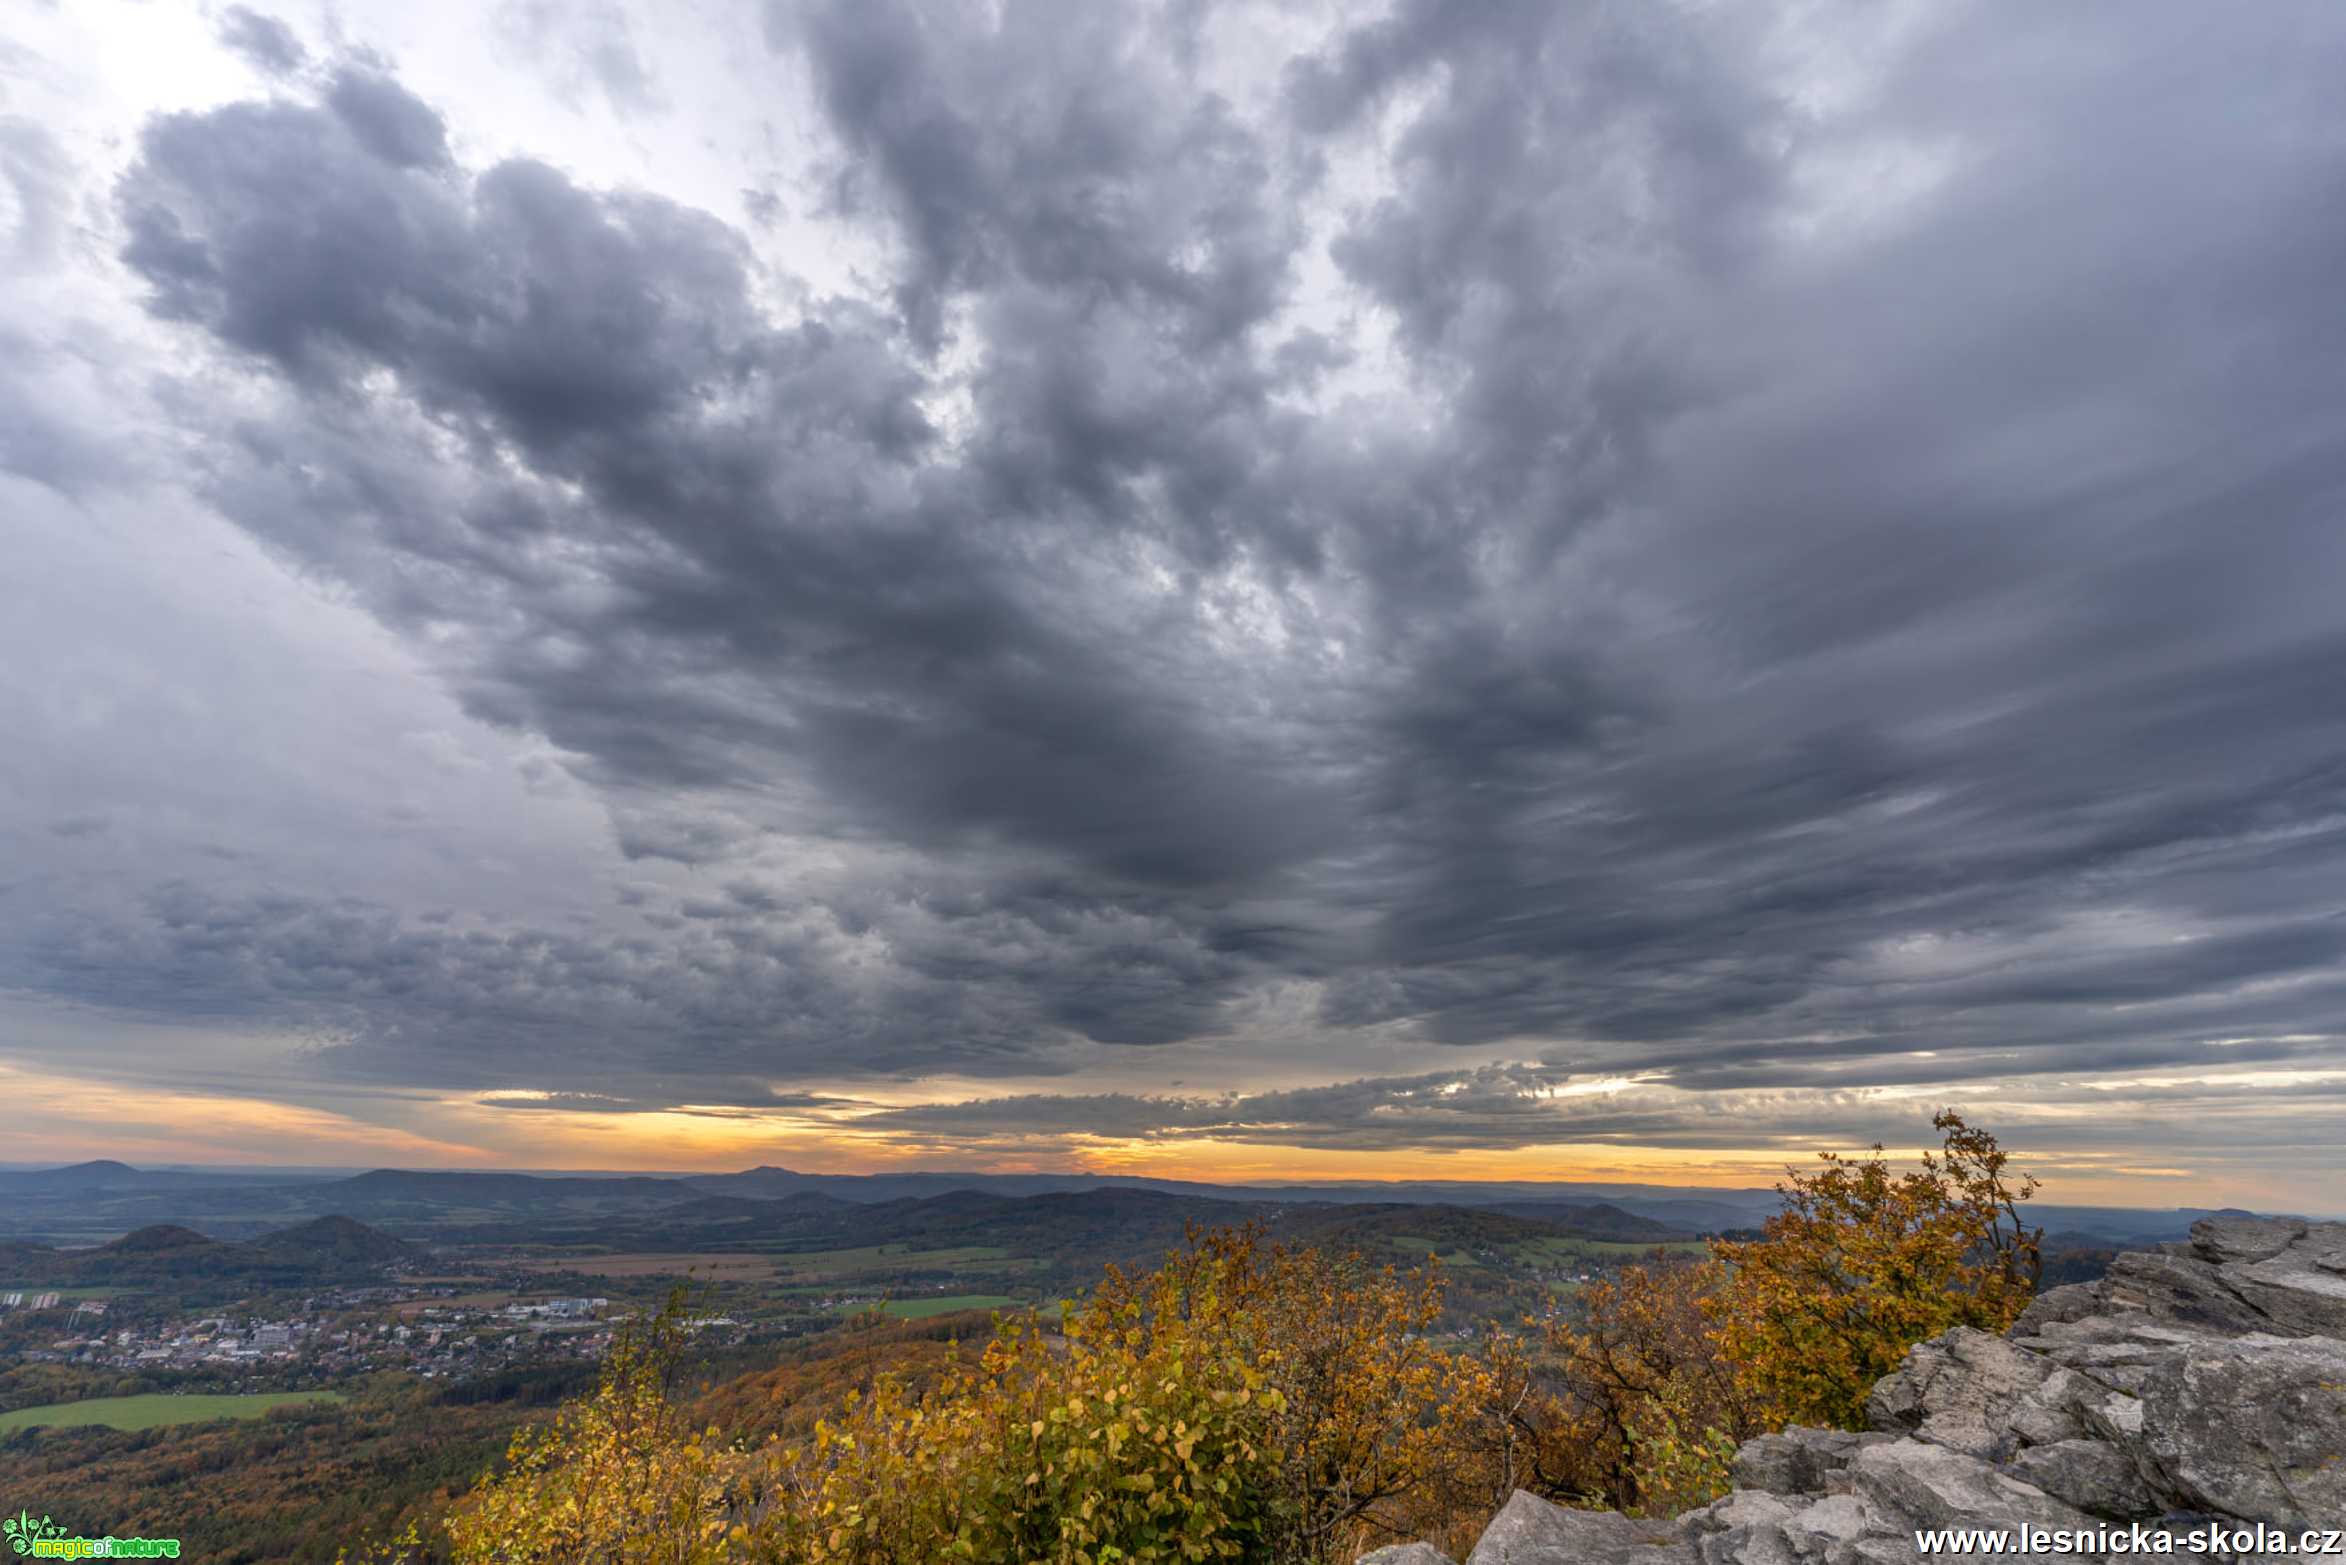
point(1382, 1433)
point(1864, 1262)
point(1139, 1433)
point(1242, 1401)
point(1657, 1405)
point(618, 1477)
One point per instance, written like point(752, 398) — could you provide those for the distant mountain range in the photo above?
point(1671, 1212)
point(103, 1174)
point(95, 1200)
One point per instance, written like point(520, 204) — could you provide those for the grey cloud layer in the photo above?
point(1751, 577)
point(1520, 1106)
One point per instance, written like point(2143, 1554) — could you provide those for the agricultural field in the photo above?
point(945, 1304)
point(1506, 1277)
point(488, 1300)
point(707, 1268)
point(1551, 1251)
point(156, 1410)
point(784, 1267)
point(1610, 1249)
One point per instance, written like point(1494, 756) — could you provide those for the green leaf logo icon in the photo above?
point(23, 1531)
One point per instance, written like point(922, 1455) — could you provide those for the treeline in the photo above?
point(1251, 1402)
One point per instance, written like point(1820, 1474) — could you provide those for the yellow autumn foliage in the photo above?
point(1675, 1363)
point(617, 1477)
point(1864, 1262)
point(1246, 1402)
point(1243, 1402)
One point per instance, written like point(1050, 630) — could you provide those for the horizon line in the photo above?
point(354, 1171)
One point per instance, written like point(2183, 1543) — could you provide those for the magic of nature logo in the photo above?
point(45, 1540)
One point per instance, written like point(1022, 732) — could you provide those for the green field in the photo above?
point(872, 1256)
point(1556, 1250)
point(1569, 1249)
point(1418, 1244)
point(155, 1410)
point(806, 1268)
point(945, 1304)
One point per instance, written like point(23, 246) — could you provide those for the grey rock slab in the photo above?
point(1876, 1551)
point(2052, 1412)
point(1405, 1554)
point(1740, 1508)
point(2301, 1289)
point(2253, 1429)
point(1797, 1461)
point(2093, 1475)
point(1835, 1519)
point(2071, 1301)
point(2238, 1237)
point(1764, 1545)
point(2116, 1416)
point(1745, 1528)
point(1959, 1390)
point(1531, 1531)
point(2179, 1290)
point(1922, 1485)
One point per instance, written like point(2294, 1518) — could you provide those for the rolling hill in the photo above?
point(331, 1249)
point(337, 1240)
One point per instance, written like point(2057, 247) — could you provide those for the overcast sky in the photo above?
point(1218, 589)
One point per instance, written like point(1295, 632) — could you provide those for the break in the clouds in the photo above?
point(1410, 578)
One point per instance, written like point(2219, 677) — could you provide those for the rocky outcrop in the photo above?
point(2203, 1385)
point(1407, 1554)
point(1530, 1531)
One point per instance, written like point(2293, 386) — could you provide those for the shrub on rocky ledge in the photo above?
point(1862, 1263)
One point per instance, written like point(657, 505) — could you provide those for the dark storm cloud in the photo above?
point(390, 122)
point(759, 562)
point(1056, 153)
point(1502, 1105)
point(1819, 578)
point(700, 1016)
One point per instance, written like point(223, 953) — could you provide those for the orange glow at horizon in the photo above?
point(1247, 1162)
point(68, 1120)
point(74, 1120)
